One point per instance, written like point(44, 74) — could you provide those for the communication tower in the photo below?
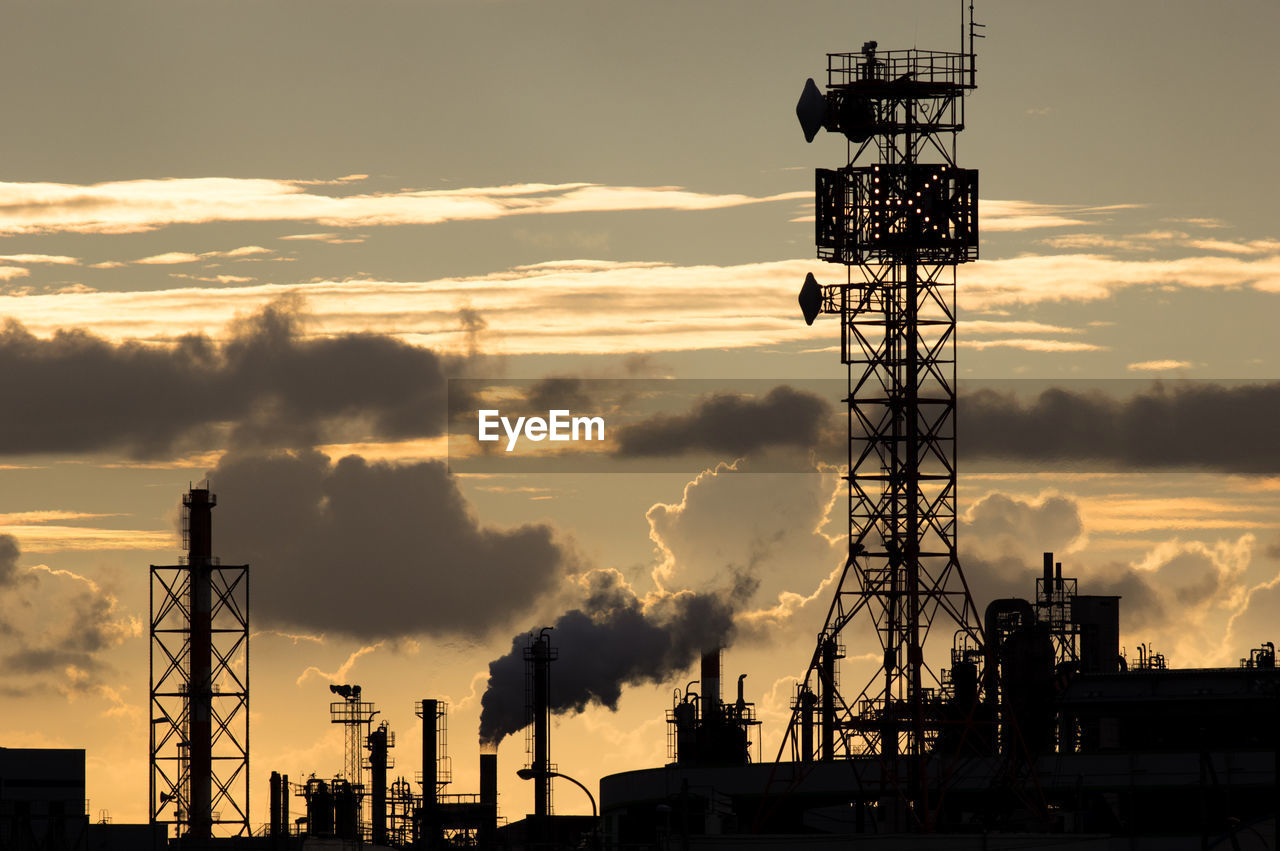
point(900, 216)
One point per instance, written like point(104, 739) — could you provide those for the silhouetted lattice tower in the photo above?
point(900, 216)
point(356, 717)
point(200, 686)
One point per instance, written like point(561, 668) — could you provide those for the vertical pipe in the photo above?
point(542, 725)
point(378, 762)
point(806, 723)
point(1048, 575)
point(828, 698)
point(711, 685)
point(430, 753)
point(284, 804)
point(275, 804)
point(489, 798)
point(199, 505)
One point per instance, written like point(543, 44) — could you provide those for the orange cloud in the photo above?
point(1028, 344)
point(1028, 215)
point(1159, 365)
point(135, 206)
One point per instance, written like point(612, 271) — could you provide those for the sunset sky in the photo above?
point(254, 241)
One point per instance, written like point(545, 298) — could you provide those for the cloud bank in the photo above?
point(265, 383)
point(136, 206)
point(375, 550)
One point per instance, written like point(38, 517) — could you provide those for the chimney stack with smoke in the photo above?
point(538, 656)
point(611, 641)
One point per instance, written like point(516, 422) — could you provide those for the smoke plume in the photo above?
point(613, 639)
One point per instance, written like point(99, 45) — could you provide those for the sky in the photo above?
point(262, 243)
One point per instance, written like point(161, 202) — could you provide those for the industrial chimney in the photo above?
point(539, 655)
point(199, 692)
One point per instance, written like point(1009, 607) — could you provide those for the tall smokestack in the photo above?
point(539, 656)
point(489, 798)
point(378, 762)
point(199, 630)
point(276, 796)
point(199, 505)
point(430, 754)
point(711, 684)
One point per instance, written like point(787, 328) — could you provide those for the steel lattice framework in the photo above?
point(199, 661)
point(900, 221)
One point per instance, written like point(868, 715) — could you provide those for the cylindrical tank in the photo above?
point(807, 700)
point(345, 810)
point(1026, 662)
point(964, 681)
point(686, 717)
point(319, 808)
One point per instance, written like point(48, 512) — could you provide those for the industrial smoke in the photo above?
point(613, 639)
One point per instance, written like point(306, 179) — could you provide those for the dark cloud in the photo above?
point(1002, 576)
point(1185, 424)
point(1140, 604)
point(732, 423)
point(56, 626)
point(559, 393)
point(612, 640)
point(998, 576)
point(373, 549)
point(999, 521)
point(267, 382)
point(1168, 425)
point(1004, 539)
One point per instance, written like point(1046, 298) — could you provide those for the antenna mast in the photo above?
point(900, 215)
